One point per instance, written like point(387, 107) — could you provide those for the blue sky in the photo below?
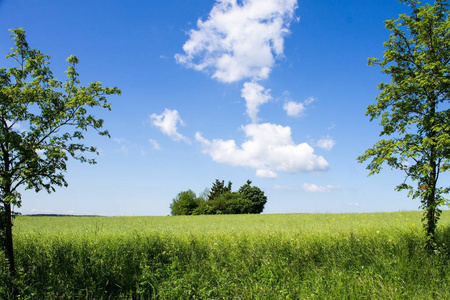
point(274, 91)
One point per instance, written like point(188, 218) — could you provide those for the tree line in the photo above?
point(220, 200)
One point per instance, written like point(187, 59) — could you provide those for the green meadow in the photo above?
point(285, 256)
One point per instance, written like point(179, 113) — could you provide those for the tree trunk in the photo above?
point(431, 222)
point(9, 240)
point(430, 201)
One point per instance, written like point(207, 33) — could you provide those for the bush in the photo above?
point(184, 203)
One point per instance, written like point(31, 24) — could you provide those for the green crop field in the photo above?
point(286, 256)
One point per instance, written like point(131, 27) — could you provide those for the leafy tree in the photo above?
point(414, 106)
point(255, 196)
point(184, 203)
point(42, 121)
point(219, 188)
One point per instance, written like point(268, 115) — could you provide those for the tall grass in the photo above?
point(289, 256)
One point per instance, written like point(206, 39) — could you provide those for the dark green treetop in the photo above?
point(219, 188)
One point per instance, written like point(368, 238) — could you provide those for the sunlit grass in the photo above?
point(286, 256)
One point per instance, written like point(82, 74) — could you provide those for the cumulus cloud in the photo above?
point(254, 95)
point(268, 148)
point(167, 123)
point(312, 188)
point(239, 40)
point(326, 143)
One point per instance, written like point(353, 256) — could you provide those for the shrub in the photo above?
point(184, 203)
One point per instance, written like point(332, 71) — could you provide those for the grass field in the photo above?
point(286, 256)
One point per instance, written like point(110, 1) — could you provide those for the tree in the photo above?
point(255, 196)
point(413, 106)
point(184, 203)
point(42, 121)
point(219, 188)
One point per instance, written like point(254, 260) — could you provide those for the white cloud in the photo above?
point(254, 95)
point(15, 126)
point(294, 109)
point(167, 123)
point(266, 174)
point(239, 41)
point(284, 188)
point(312, 188)
point(268, 148)
point(326, 143)
point(353, 204)
point(154, 144)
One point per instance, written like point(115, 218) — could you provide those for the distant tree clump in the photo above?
point(220, 200)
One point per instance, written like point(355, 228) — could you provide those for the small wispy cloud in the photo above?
point(331, 126)
point(127, 147)
point(167, 122)
point(326, 143)
point(313, 188)
point(123, 144)
point(295, 109)
point(353, 204)
point(154, 144)
point(285, 188)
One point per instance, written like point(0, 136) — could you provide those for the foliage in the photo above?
point(185, 203)
point(218, 189)
point(255, 196)
point(226, 203)
point(2, 227)
point(42, 121)
point(413, 107)
point(285, 256)
point(221, 200)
